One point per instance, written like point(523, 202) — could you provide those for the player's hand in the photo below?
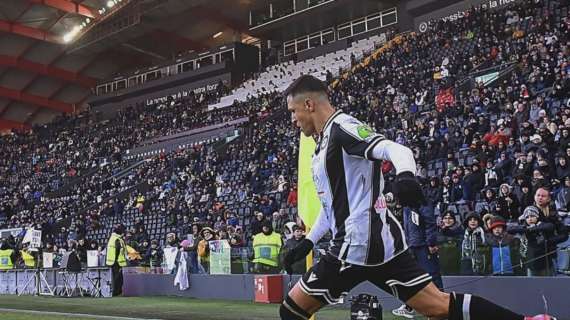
point(408, 190)
point(296, 254)
point(433, 250)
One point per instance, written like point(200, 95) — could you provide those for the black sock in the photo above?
point(478, 308)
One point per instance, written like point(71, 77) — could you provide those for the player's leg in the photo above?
point(322, 285)
point(299, 305)
point(409, 283)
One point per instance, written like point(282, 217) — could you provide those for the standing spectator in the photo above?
point(207, 234)
point(267, 246)
point(505, 249)
point(449, 240)
point(154, 255)
point(298, 267)
point(508, 203)
point(421, 234)
point(534, 242)
point(117, 257)
point(473, 247)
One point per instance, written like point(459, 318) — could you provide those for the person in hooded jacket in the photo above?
point(508, 203)
point(505, 254)
point(266, 248)
point(562, 168)
point(433, 192)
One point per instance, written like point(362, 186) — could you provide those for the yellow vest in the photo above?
point(6, 259)
point(122, 258)
point(266, 248)
point(28, 260)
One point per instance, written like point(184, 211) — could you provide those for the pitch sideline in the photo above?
point(84, 315)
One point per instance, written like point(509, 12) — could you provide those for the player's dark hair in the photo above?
point(306, 84)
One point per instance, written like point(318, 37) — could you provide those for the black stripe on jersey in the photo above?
point(336, 174)
point(354, 145)
point(396, 233)
point(375, 252)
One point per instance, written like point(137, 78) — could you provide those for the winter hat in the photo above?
point(536, 137)
point(473, 215)
point(206, 229)
point(530, 211)
point(497, 222)
point(488, 217)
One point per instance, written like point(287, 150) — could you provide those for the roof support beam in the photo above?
point(29, 32)
point(36, 100)
point(9, 124)
point(47, 70)
point(68, 7)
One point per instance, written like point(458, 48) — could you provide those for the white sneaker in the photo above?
point(403, 311)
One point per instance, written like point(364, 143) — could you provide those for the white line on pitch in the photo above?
point(94, 316)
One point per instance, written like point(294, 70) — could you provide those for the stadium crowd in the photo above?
point(493, 158)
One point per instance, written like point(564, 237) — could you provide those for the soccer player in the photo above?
point(368, 243)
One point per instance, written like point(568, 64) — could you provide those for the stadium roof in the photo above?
point(48, 65)
point(53, 52)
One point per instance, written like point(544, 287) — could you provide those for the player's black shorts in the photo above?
point(329, 279)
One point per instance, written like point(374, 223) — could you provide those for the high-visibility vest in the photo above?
point(28, 260)
point(6, 259)
point(266, 248)
point(122, 258)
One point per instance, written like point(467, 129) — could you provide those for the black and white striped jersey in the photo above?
point(347, 173)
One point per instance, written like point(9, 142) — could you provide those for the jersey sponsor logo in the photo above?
point(380, 204)
point(312, 277)
point(364, 131)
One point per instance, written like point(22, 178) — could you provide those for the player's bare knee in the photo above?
point(437, 308)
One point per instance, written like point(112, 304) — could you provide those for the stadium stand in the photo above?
point(472, 140)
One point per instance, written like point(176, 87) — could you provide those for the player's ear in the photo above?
point(309, 104)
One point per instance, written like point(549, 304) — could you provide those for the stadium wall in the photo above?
point(415, 14)
point(523, 294)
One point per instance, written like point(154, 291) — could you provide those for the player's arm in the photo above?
point(319, 229)
point(357, 139)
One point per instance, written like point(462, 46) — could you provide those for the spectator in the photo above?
point(257, 223)
point(207, 234)
point(473, 247)
point(508, 203)
point(505, 249)
point(267, 246)
point(154, 255)
point(298, 267)
point(535, 234)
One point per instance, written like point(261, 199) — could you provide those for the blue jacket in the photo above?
point(420, 227)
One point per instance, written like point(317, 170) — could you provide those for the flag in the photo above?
point(308, 204)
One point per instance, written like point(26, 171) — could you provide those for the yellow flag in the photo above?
point(308, 204)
